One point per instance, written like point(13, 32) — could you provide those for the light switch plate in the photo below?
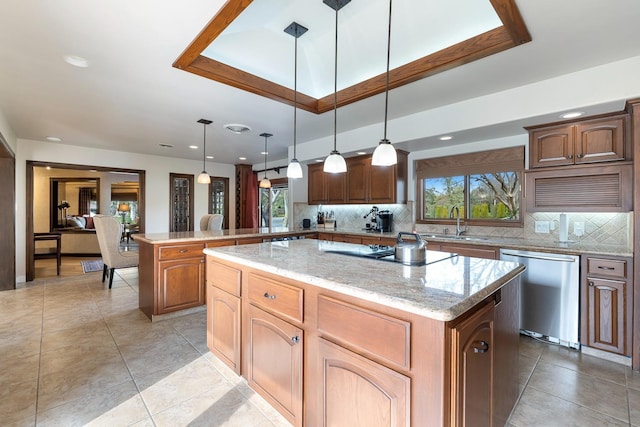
point(578, 228)
point(542, 227)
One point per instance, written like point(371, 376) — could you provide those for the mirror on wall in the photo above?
point(72, 199)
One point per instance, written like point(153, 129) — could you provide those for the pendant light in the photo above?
point(264, 182)
point(294, 170)
point(385, 154)
point(335, 163)
point(204, 178)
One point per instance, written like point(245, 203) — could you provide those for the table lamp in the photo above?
point(123, 208)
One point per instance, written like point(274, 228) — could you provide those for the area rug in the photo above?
point(91, 266)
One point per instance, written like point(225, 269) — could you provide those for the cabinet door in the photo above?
point(181, 284)
point(382, 184)
point(551, 147)
point(223, 327)
point(472, 369)
point(358, 181)
point(274, 362)
point(469, 250)
point(606, 314)
point(335, 187)
point(600, 141)
point(316, 193)
point(357, 392)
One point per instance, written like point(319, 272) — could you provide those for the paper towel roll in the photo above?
point(563, 234)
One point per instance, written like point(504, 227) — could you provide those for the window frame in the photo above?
point(466, 165)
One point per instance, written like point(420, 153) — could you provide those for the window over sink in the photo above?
point(482, 188)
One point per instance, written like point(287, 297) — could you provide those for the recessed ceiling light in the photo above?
point(193, 147)
point(242, 158)
point(237, 128)
point(54, 139)
point(76, 61)
point(166, 145)
point(361, 152)
point(319, 160)
point(264, 153)
point(209, 157)
point(572, 115)
point(445, 138)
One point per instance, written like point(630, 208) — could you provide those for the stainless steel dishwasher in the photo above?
point(549, 295)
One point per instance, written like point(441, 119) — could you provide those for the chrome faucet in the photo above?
point(459, 230)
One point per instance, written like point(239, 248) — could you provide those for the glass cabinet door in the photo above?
point(219, 198)
point(181, 199)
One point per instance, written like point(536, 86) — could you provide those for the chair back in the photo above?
point(211, 222)
point(109, 232)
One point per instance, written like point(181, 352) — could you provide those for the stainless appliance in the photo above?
point(549, 295)
point(384, 221)
point(411, 252)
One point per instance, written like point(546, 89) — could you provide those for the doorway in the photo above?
point(8, 223)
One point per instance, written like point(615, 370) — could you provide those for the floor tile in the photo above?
point(18, 401)
point(590, 365)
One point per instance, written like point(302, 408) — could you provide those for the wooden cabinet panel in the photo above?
point(181, 284)
point(325, 236)
point(274, 351)
point(180, 251)
point(223, 327)
point(350, 326)
point(315, 180)
point(487, 252)
point(600, 141)
point(219, 243)
point(357, 392)
point(606, 305)
point(276, 297)
point(607, 267)
point(358, 183)
point(335, 188)
point(472, 369)
point(551, 147)
point(227, 278)
point(346, 238)
point(249, 240)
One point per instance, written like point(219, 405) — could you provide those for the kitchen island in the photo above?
point(330, 339)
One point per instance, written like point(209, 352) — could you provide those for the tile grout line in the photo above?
point(35, 415)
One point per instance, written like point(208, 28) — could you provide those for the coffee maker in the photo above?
point(384, 222)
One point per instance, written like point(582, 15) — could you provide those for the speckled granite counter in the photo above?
point(441, 291)
point(189, 236)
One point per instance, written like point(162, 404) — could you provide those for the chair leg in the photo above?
point(104, 272)
point(111, 277)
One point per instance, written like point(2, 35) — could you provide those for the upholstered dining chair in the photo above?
point(109, 232)
point(211, 222)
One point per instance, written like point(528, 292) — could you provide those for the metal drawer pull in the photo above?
point(295, 339)
point(183, 251)
point(483, 349)
point(266, 295)
point(601, 267)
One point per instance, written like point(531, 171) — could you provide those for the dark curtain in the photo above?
point(251, 206)
point(84, 200)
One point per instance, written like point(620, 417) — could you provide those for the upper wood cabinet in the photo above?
point(597, 140)
point(363, 183)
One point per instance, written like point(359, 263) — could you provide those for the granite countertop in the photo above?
point(442, 290)
point(187, 236)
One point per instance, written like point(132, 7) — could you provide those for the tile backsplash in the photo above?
point(599, 228)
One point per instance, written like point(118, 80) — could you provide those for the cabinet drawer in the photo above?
point(276, 297)
point(224, 277)
point(180, 251)
point(607, 267)
point(354, 327)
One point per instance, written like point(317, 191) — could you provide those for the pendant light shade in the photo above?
point(264, 182)
point(294, 170)
point(385, 154)
point(204, 178)
point(335, 163)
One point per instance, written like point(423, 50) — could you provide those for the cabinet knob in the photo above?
point(484, 347)
point(269, 296)
point(570, 156)
point(591, 283)
point(295, 339)
point(579, 156)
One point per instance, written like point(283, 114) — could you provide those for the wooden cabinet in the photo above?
point(606, 304)
point(464, 249)
point(181, 280)
point(273, 345)
point(362, 183)
point(224, 313)
point(326, 188)
point(472, 369)
point(598, 140)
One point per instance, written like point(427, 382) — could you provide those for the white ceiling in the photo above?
point(131, 99)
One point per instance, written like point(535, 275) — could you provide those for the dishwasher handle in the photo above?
point(545, 257)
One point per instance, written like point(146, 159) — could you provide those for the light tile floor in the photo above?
point(76, 353)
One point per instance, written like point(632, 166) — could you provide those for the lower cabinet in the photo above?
point(181, 284)
point(606, 306)
point(472, 369)
point(359, 392)
point(223, 327)
point(274, 350)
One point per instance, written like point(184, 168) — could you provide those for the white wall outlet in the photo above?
point(542, 227)
point(578, 228)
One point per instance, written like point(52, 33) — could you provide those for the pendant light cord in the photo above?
point(295, 96)
point(265, 157)
point(335, 90)
point(204, 148)
point(386, 101)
